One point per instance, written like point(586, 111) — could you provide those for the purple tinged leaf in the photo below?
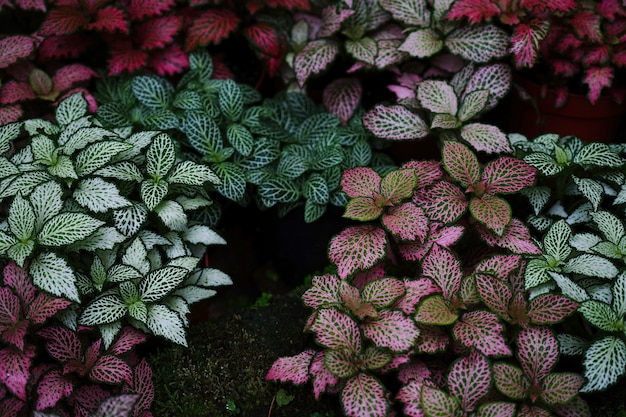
point(383, 292)
point(324, 290)
point(361, 182)
point(407, 221)
point(494, 212)
point(17, 278)
point(61, 343)
point(342, 96)
point(444, 269)
point(398, 185)
point(313, 58)
point(468, 293)
point(375, 358)
point(357, 248)
point(500, 266)
point(495, 294)
point(342, 363)
point(322, 377)
point(443, 202)
point(336, 330)
point(516, 238)
point(510, 381)
point(435, 310)
point(438, 97)
point(9, 307)
point(362, 278)
point(415, 290)
point(577, 407)
point(364, 395)
point(482, 330)
point(560, 388)
point(332, 19)
point(410, 396)
point(392, 330)
point(426, 172)
point(496, 409)
point(433, 339)
point(550, 309)
point(351, 298)
point(143, 386)
point(293, 369)
point(14, 48)
point(414, 370)
point(437, 403)
point(52, 387)
point(470, 379)
point(508, 175)
point(362, 209)
point(395, 123)
point(111, 370)
point(128, 338)
point(45, 306)
point(14, 334)
point(461, 163)
point(120, 405)
point(445, 236)
point(363, 49)
point(538, 351)
point(527, 410)
point(15, 369)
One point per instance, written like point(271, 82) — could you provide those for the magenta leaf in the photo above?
point(313, 58)
point(482, 330)
point(109, 19)
point(342, 363)
point(391, 329)
point(16, 91)
point(66, 77)
point(357, 248)
point(15, 47)
point(415, 290)
point(342, 96)
point(332, 19)
point(45, 306)
point(336, 330)
point(364, 395)
point(322, 377)
point(432, 339)
point(170, 60)
point(15, 369)
point(494, 212)
point(407, 221)
point(597, 78)
point(9, 307)
point(111, 370)
point(500, 266)
point(538, 351)
point(410, 396)
point(125, 57)
point(443, 268)
point(294, 369)
point(143, 386)
point(437, 403)
point(158, 32)
point(442, 202)
point(444, 236)
point(360, 182)
point(398, 185)
point(461, 163)
point(470, 379)
point(508, 175)
point(10, 114)
point(52, 387)
point(138, 9)
point(63, 21)
point(516, 238)
point(426, 172)
point(510, 381)
point(383, 292)
point(14, 334)
point(435, 310)
point(21, 283)
point(324, 290)
point(394, 123)
point(62, 343)
point(495, 294)
point(119, 405)
point(210, 27)
point(550, 308)
point(560, 388)
point(128, 338)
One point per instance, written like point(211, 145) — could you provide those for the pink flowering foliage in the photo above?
point(404, 301)
point(45, 366)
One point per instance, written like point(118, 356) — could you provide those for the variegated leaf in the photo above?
point(342, 363)
point(103, 310)
point(482, 330)
point(157, 284)
point(313, 58)
point(560, 388)
point(364, 395)
point(360, 182)
point(395, 123)
point(494, 212)
point(510, 381)
point(362, 209)
point(437, 403)
point(485, 137)
point(398, 185)
point(556, 241)
point(591, 189)
point(190, 173)
point(495, 293)
point(478, 43)
point(422, 43)
point(152, 193)
point(336, 330)
point(435, 310)
point(549, 309)
point(437, 96)
point(461, 163)
point(164, 322)
point(443, 202)
point(98, 195)
point(294, 369)
point(391, 329)
point(444, 268)
point(605, 363)
point(591, 265)
point(496, 409)
point(324, 290)
point(342, 96)
point(470, 380)
point(67, 228)
point(538, 351)
point(601, 315)
point(357, 248)
point(507, 175)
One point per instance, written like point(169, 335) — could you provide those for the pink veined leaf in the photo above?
point(62, 343)
point(16, 91)
point(315, 57)
point(357, 248)
point(597, 55)
point(109, 19)
point(415, 291)
point(336, 330)
point(289, 4)
point(495, 294)
point(63, 21)
point(407, 221)
point(360, 182)
point(210, 27)
point(11, 407)
point(92, 355)
point(398, 185)
point(576, 407)
point(342, 96)
point(461, 163)
point(470, 379)
point(587, 25)
point(138, 9)
point(90, 396)
point(525, 42)
point(393, 330)
point(516, 238)
point(331, 20)
point(157, 32)
point(362, 278)
point(124, 57)
point(550, 309)
point(322, 378)
point(494, 212)
point(416, 370)
point(396, 361)
point(128, 338)
point(342, 363)
point(499, 265)
point(15, 369)
point(363, 209)
point(597, 78)
point(45, 306)
point(508, 175)
point(364, 395)
point(10, 308)
point(468, 293)
point(560, 388)
point(426, 172)
point(510, 381)
point(170, 60)
point(111, 370)
point(482, 330)
point(67, 76)
point(10, 114)
point(445, 236)
point(15, 47)
point(551, 5)
point(52, 388)
point(433, 339)
point(14, 333)
point(437, 403)
point(324, 290)
point(444, 269)
point(538, 351)
point(435, 310)
point(143, 386)
point(609, 9)
point(383, 292)
point(497, 409)
point(475, 11)
point(395, 123)
point(351, 298)
point(410, 396)
point(443, 202)
point(63, 46)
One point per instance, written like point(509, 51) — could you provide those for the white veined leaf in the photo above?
point(280, 190)
point(20, 251)
point(67, 228)
point(619, 294)
point(537, 197)
point(438, 97)
point(536, 273)
point(139, 141)
point(240, 138)
point(124, 171)
point(161, 156)
point(203, 134)
point(164, 322)
point(97, 155)
point(192, 294)
point(47, 202)
point(200, 234)
point(99, 196)
point(569, 288)
point(121, 273)
point(25, 183)
point(103, 310)
point(6, 241)
point(52, 274)
point(21, 218)
point(193, 203)
point(591, 265)
point(84, 136)
point(572, 345)
point(190, 173)
point(544, 163)
point(187, 262)
point(473, 104)
point(608, 250)
point(233, 180)
point(109, 332)
point(556, 241)
point(43, 148)
point(70, 130)
point(422, 43)
point(136, 256)
point(130, 219)
point(177, 247)
point(105, 238)
point(151, 239)
point(209, 277)
point(159, 283)
point(152, 91)
point(231, 100)
point(313, 211)
point(152, 193)
point(7, 168)
point(315, 189)
point(611, 226)
point(63, 168)
point(605, 363)
point(599, 292)
point(128, 292)
point(35, 126)
point(591, 189)
point(71, 108)
point(600, 315)
point(598, 154)
point(478, 43)
point(172, 215)
point(178, 305)
point(8, 133)
point(584, 242)
point(138, 311)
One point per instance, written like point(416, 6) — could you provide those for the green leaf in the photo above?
point(161, 156)
point(240, 138)
point(21, 218)
point(315, 189)
point(53, 275)
point(231, 100)
point(164, 322)
point(313, 211)
point(435, 310)
point(67, 228)
point(152, 92)
point(200, 62)
point(99, 196)
point(190, 173)
point(71, 108)
point(203, 134)
point(437, 403)
point(152, 193)
point(187, 100)
point(233, 180)
point(280, 190)
point(103, 310)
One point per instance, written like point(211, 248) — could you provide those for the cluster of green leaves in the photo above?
point(282, 152)
point(104, 218)
point(576, 202)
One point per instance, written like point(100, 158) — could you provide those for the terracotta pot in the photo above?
point(578, 117)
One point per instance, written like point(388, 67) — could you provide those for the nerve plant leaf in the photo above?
point(357, 248)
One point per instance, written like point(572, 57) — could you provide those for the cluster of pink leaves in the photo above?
point(443, 326)
point(576, 39)
point(80, 375)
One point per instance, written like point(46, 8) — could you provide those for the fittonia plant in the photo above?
point(284, 152)
point(104, 218)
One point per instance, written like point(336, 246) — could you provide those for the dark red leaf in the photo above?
point(168, 61)
point(158, 32)
point(16, 91)
point(124, 57)
point(212, 26)
point(63, 21)
point(138, 9)
point(64, 46)
point(62, 343)
point(109, 19)
point(14, 335)
point(266, 39)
